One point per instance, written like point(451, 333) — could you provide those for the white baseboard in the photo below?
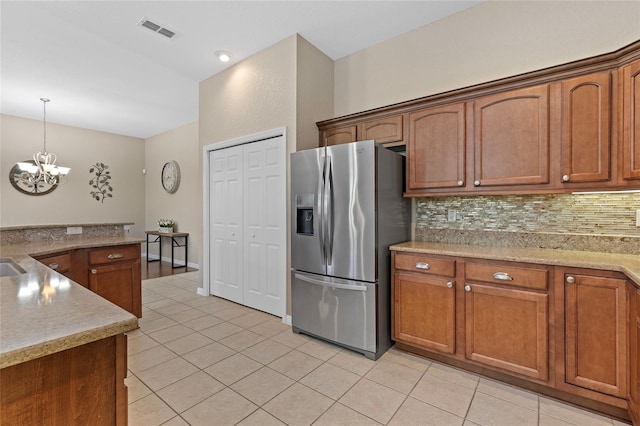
point(176, 260)
point(201, 291)
point(286, 319)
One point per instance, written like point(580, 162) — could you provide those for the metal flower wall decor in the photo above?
point(101, 186)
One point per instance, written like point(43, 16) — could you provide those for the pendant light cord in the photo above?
point(44, 122)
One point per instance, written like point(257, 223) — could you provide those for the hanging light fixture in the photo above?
point(43, 168)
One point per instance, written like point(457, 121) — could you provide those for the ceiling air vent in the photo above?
point(144, 22)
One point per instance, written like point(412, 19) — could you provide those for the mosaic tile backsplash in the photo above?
point(547, 220)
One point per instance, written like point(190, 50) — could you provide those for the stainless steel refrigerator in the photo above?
point(347, 210)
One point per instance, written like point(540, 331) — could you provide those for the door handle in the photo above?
point(330, 212)
point(330, 284)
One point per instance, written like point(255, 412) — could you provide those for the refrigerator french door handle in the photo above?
point(330, 284)
point(321, 210)
point(330, 212)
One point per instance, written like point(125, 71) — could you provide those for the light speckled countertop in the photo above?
point(625, 263)
point(43, 312)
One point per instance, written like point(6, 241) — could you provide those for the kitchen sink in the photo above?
point(8, 268)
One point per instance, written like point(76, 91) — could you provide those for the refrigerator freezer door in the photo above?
point(341, 311)
point(307, 185)
point(351, 221)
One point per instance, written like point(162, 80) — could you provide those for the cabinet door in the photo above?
point(385, 130)
point(634, 352)
point(512, 138)
point(120, 284)
point(631, 121)
point(338, 135)
point(437, 144)
point(595, 332)
point(424, 311)
point(508, 329)
point(586, 135)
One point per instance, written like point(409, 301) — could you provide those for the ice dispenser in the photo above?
point(304, 211)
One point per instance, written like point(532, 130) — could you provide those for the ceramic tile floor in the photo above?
point(206, 361)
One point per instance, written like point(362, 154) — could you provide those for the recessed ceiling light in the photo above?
point(223, 55)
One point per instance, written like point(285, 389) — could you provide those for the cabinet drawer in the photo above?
point(425, 264)
point(59, 263)
point(534, 278)
point(113, 254)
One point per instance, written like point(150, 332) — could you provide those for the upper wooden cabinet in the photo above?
point(512, 138)
point(338, 135)
point(437, 148)
point(631, 121)
point(586, 131)
point(385, 130)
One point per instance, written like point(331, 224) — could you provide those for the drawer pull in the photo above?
point(422, 265)
point(54, 266)
point(115, 256)
point(502, 276)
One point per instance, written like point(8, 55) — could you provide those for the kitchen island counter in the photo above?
point(628, 264)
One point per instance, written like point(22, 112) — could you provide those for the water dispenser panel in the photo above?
point(304, 214)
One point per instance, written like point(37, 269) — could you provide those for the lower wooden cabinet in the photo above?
point(634, 353)
point(120, 284)
point(596, 333)
point(425, 311)
point(507, 328)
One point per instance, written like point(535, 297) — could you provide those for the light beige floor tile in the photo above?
point(173, 308)
point(221, 331)
point(166, 373)
point(469, 423)
point(417, 413)
point(135, 333)
point(139, 344)
point(266, 351)
point(189, 391)
point(242, 340)
point(136, 389)
point(203, 322)
point(187, 296)
point(295, 364)
point(160, 303)
point(406, 359)
point(320, 350)
point(224, 408)
point(619, 423)
point(330, 380)
point(231, 313)
point(352, 361)
point(188, 343)
point(176, 421)
point(453, 375)
point(187, 315)
point(270, 328)
point(508, 393)
point(298, 405)
point(290, 338)
point(170, 333)
point(232, 369)
point(250, 319)
point(545, 420)
point(395, 376)
point(150, 297)
point(373, 400)
point(200, 301)
point(339, 415)
point(441, 393)
point(149, 358)
point(215, 306)
point(149, 411)
point(571, 414)
point(262, 385)
point(488, 410)
point(149, 315)
point(261, 418)
point(208, 355)
point(156, 324)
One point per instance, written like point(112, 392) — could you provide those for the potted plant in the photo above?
point(165, 226)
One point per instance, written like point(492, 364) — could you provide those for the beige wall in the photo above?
point(79, 149)
point(492, 40)
point(185, 205)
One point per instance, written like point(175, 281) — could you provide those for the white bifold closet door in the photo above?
point(248, 224)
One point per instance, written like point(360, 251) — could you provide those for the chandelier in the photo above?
point(43, 169)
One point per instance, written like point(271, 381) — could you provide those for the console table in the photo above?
point(174, 243)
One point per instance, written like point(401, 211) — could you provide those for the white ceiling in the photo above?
point(102, 71)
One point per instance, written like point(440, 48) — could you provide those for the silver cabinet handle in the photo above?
point(566, 178)
point(450, 284)
point(460, 183)
point(422, 265)
point(502, 276)
point(467, 287)
point(571, 280)
point(115, 256)
point(54, 266)
point(94, 271)
point(476, 183)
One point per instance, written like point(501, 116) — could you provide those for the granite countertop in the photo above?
point(43, 312)
point(629, 264)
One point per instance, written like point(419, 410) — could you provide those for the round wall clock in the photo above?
point(170, 176)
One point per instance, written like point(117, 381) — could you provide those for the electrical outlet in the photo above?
point(72, 230)
point(452, 215)
point(637, 217)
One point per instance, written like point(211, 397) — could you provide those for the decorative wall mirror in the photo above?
point(25, 182)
